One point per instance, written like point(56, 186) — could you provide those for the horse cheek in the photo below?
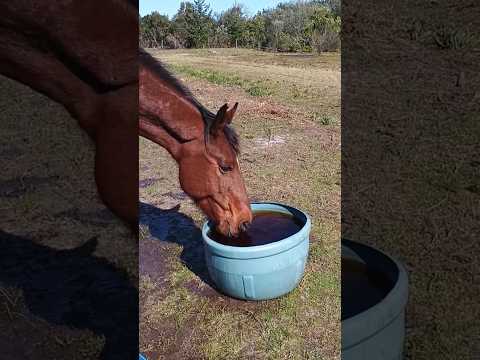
point(190, 174)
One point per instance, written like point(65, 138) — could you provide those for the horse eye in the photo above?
point(225, 168)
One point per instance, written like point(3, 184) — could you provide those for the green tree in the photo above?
point(193, 23)
point(285, 26)
point(154, 29)
point(179, 23)
point(304, 25)
point(335, 6)
point(220, 36)
point(234, 20)
point(198, 23)
point(324, 28)
point(255, 32)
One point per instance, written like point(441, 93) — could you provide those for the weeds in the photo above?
point(447, 37)
point(325, 120)
point(253, 88)
point(443, 36)
point(259, 90)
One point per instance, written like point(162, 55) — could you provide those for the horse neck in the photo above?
point(87, 65)
point(166, 116)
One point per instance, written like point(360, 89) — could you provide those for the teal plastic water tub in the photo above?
point(259, 272)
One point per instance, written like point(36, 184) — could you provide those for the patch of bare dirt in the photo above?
point(216, 298)
point(328, 138)
point(154, 262)
point(248, 105)
point(262, 143)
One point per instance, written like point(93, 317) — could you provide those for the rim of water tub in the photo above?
point(260, 251)
point(376, 318)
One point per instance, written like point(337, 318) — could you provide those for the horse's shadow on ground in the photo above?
point(171, 226)
point(76, 289)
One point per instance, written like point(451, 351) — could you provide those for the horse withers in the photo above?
point(202, 143)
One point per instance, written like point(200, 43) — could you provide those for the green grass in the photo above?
point(180, 274)
point(257, 89)
point(228, 334)
point(177, 306)
point(254, 88)
point(324, 119)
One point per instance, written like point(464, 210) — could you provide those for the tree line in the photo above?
point(300, 26)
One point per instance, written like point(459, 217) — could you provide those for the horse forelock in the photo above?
point(129, 5)
point(233, 138)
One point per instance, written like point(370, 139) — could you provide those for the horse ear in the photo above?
point(224, 117)
point(230, 113)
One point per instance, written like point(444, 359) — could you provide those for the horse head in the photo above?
point(210, 174)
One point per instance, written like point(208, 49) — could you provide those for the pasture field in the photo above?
point(288, 121)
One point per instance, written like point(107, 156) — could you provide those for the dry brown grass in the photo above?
point(311, 82)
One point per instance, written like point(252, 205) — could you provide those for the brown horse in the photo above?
point(84, 55)
point(203, 144)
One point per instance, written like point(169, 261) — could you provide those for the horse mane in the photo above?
point(134, 3)
point(208, 117)
point(130, 7)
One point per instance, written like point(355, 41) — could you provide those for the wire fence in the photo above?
point(259, 48)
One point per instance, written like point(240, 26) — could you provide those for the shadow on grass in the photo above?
point(76, 289)
point(171, 226)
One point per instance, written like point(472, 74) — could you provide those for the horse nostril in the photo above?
point(244, 226)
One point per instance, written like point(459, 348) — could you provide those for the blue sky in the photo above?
point(170, 7)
